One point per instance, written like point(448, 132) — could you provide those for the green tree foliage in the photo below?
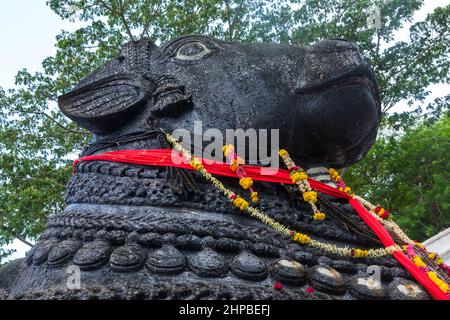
point(411, 176)
point(36, 141)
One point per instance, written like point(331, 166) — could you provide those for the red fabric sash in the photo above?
point(169, 157)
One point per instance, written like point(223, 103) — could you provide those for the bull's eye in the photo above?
point(192, 51)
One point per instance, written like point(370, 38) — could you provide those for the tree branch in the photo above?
point(18, 238)
point(124, 20)
point(120, 13)
point(230, 25)
point(25, 241)
point(106, 6)
point(56, 122)
point(151, 14)
point(59, 124)
point(422, 54)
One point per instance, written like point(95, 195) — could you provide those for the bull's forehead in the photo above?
point(266, 49)
point(145, 58)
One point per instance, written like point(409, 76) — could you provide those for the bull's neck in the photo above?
point(107, 187)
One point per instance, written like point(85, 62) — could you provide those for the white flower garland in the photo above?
point(254, 212)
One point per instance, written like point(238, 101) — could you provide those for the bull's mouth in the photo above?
point(345, 80)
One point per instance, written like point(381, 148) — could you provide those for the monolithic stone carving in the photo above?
point(133, 235)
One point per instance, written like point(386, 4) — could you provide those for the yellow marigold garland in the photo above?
point(236, 166)
point(439, 282)
point(300, 178)
point(319, 216)
point(377, 212)
point(409, 250)
point(246, 182)
point(390, 225)
point(360, 253)
point(419, 262)
point(301, 238)
point(381, 215)
point(339, 182)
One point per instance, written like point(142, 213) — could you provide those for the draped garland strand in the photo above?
point(372, 215)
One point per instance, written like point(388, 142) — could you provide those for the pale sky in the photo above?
point(27, 33)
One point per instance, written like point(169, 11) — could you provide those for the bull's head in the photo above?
point(324, 98)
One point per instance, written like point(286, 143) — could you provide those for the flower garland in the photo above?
point(300, 178)
point(378, 212)
point(439, 261)
point(409, 249)
point(391, 226)
point(339, 182)
point(237, 201)
point(438, 270)
point(163, 157)
point(434, 261)
point(237, 166)
point(301, 238)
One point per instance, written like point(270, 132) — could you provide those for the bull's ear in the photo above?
point(105, 105)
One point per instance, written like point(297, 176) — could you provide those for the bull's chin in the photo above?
point(336, 127)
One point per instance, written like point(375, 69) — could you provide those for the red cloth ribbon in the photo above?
point(169, 157)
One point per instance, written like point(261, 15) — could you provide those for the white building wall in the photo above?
point(440, 244)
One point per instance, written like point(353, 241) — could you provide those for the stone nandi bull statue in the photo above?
point(137, 232)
